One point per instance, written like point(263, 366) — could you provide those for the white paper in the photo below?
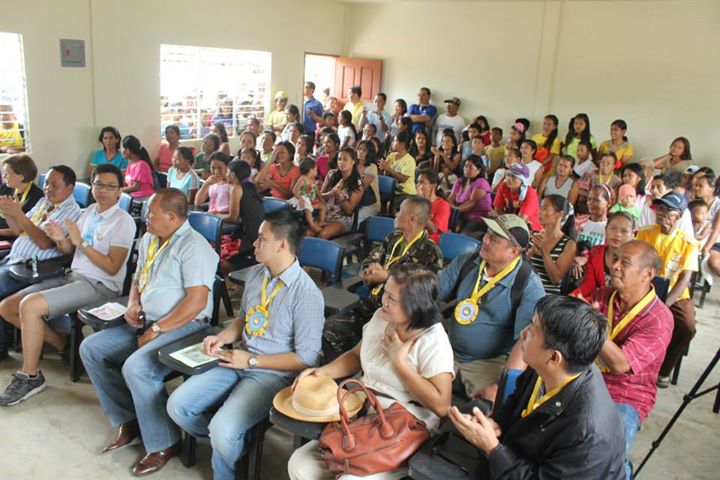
point(192, 356)
point(109, 311)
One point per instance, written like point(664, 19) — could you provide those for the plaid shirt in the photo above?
point(643, 341)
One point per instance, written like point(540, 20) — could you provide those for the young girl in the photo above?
point(250, 156)
point(513, 157)
point(216, 187)
point(447, 159)
point(303, 149)
point(420, 149)
point(368, 168)
point(618, 144)
point(579, 131)
point(495, 151)
point(517, 135)
point(583, 163)
point(210, 145)
point(633, 174)
point(181, 175)
point(139, 178)
point(164, 157)
point(548, 144)
point(346, 130)
point(626, 202)
point(221, 132)
point(527, 150)
point(292, 114)
point(701, 224)
point(307, 197)
point(562, 182)
point(484, 131)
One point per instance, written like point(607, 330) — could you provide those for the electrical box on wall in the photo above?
point(72, 53)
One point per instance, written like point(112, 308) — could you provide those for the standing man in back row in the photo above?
point(450, 120)
point(422, 113)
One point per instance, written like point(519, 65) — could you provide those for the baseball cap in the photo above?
point(454, 100)
point(673, 201)
point(281, 94)
point(510, 227)
point(691, 170)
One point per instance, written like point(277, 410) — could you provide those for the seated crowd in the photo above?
point(588, 224)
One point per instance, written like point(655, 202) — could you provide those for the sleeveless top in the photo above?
point(252, 214)
point(539, 266)
point(219, 194)
point(563, 191)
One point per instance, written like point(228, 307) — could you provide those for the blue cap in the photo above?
point(673, 201)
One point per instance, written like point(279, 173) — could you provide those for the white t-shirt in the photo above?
point(581, 169)
point(112, 228)
point(346, 132)
point(431, 355)
point(592, 233)
point(445, 121)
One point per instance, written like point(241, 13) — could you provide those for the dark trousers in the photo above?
point(684, 317)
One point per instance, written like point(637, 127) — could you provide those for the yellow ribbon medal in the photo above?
point(466, 310)
point(257, 318)
point(376, 291)
point(534, 402)
point(152, 254)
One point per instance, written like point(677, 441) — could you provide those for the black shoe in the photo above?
point(22, 387)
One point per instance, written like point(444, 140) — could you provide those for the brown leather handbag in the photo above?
point(376, 443)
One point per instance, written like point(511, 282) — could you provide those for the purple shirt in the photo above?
point(463, 194)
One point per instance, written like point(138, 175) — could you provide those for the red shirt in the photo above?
point(287, 181)
point(594, 273)
point(505, 201)
point(643, 341)
point(440, 217)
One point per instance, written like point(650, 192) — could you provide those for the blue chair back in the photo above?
point(81, 193)
point(41, 180)
point(161, 180)
point(125, 202)
point(324, 255)
point(455, 244)
point(386, 185)
point(272, 204)
point(454, 218)
point(662, 287)
point(208, 225)
point(507, 382)
point(378, 228)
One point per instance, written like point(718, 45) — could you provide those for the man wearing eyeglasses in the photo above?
point(32, 241)
point(101, 241)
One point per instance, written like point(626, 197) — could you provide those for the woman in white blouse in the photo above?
point(404, 355)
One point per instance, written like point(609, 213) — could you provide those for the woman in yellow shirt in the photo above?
point(618, 144)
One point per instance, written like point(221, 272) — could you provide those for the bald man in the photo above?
point(642, 326)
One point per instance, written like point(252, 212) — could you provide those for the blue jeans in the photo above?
point(224, 404)
point(130, 381)
point(631, 420)
point(8, 286)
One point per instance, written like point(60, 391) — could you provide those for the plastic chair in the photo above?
point(125, 202)
point(454, 244)
point(378, 228)
point(454, 219)
point(324, 255)
point(41, 180)
point(82, 194)
point(161, 180)
point(386, 186)
point(272, 204)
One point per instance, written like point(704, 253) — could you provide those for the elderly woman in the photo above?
point(405, 356)
point(18, 173)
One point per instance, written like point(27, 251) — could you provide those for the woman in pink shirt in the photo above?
point(163, 159)
point(139, 180)
point(471, 195)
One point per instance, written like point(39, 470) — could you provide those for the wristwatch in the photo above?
point(252, 361)
point(156, 329)
point(85, 244)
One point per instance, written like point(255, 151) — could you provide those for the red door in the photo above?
point(357, 71)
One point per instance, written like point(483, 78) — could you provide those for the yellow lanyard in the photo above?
point(609, 178)
point(624, 321)
point(534, 402)
point(36, 218)
point(152, 254)
point(478, 294)
point(376, 291)
point(24, 195)
point(257, 317)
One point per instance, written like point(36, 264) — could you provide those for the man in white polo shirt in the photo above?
point(101, 240)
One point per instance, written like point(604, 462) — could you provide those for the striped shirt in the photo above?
point(539, 266)
point(297, 315)
point(24, 248)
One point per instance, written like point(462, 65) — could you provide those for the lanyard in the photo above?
point(478, 294)
point(609, 179)
point(24, 194)
point(93, 222)
point(257, 318)
point(152, 254)
point(376, 291)
point(534, 402)
point(37, 217)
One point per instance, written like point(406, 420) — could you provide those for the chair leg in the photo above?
point(703, 293)
point(188, 450)
point(75, 338)
point(676, 372)
point(226, 300)
point(18, 340)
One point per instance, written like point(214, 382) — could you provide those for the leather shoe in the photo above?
point(152, 462)
point(127, 433)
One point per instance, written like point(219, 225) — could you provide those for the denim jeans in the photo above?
point(631, 421)
point(224, 404)
point(8, 286)
point(130, 381)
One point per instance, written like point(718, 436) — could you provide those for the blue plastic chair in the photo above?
point(272, 204)
point(324, 255)
point(454, 244)
point(125, 202)
point(41, 180)
point(454, 219)
point(82, 194)
point(386, 186)
point(161, 180)
point(378, 228)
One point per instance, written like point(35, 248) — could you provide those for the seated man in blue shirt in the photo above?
point(486, 323)
point(172, 292)
point(279, 334)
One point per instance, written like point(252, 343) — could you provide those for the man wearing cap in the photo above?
point(312, 110)
point(496, 292)
point(515, 195)
point(278, 334)
point(378, 117)
point(355, 105)
point(277, 119)
point(422, 113)
point(450, 120)
point(640, 329)
point(679, 254)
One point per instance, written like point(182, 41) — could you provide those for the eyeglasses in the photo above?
point(105, 186)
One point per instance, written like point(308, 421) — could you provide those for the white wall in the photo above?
point(653, 63)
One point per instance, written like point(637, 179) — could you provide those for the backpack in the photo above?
point(515, 291)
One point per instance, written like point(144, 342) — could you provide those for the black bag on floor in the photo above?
point(448, 456)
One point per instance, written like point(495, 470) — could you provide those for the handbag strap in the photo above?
point(386, 430)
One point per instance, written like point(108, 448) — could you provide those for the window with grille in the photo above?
point(14, 133)
point(201, 86)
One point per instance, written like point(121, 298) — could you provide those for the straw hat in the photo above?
point(315, 400)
